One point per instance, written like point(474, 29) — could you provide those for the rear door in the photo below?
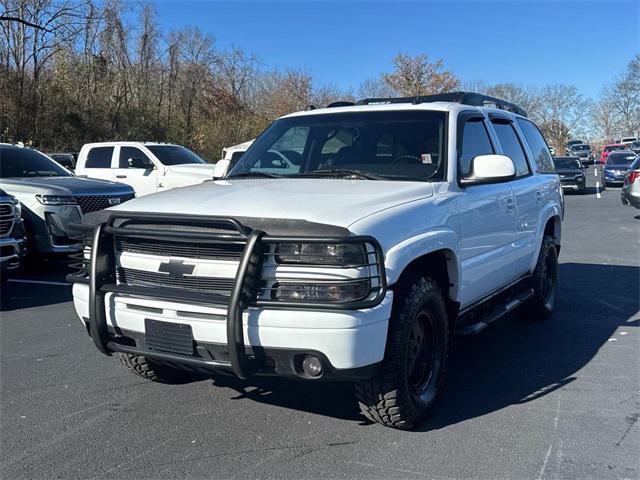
point(487, 218)
point(143, 180)
point(98, 163)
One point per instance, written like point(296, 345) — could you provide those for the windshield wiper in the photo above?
point(255, 175)
point(342, 172)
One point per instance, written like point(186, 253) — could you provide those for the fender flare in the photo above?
point(400, 255)
point(552, 210)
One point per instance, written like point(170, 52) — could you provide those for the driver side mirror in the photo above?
point(490, 169)
point(140, 163)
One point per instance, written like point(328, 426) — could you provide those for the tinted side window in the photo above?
point(99, 157)
point(475, 141)
point(130, 152)
point(538, 146)
point(511, 146)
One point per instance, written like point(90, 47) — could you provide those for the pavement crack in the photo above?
point(631, 421)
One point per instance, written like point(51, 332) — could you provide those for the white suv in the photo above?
point(393, 224)
point(147, 167)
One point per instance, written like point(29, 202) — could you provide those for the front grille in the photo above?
point(7, 218)
point(209, 251)
point(93, 203)
point(189, 283)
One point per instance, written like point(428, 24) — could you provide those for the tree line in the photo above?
point(78, 71)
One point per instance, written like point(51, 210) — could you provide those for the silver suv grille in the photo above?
point(7, 218)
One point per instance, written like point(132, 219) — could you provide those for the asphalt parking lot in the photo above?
point(523, 400)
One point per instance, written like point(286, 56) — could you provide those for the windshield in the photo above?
point(567, 163)
point(581, 148)
point(174, 155)
point(620, 159)
point(635, 145)
point(370, 145)
point(25, 162)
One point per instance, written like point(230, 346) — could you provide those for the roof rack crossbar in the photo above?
point(464, 98)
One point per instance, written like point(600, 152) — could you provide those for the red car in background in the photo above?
point(610, 148)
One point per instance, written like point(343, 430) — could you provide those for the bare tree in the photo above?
point(414, 76)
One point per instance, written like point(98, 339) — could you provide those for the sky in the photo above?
point(582, 43)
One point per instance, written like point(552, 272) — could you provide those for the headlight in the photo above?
point(322, 253)
point(322, 292)
point(579, 177)
point(56, 200)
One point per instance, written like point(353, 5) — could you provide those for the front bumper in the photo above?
point(49, 227)
point(11, 253)
point(571, 184)
point(349, 343)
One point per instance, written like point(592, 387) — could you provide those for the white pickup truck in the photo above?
point(147, 167)
point(394, 224)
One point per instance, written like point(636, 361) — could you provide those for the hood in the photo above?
point(200, 170)
point(63, 186)
point(328, 201)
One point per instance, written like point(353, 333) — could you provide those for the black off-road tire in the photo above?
point(390, 398)
point(156, 372)
point(544, 282)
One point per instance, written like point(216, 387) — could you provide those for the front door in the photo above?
point(136, 169)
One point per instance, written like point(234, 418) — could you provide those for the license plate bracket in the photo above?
point(169, 337)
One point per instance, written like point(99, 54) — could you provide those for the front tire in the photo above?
point(414, 364)
point(156, 372)
point(544, 282)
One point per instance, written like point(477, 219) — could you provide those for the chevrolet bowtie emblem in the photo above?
point(176, 268)
point(114, 201)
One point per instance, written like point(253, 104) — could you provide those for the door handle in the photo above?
point(509, 204)
point(121, 176)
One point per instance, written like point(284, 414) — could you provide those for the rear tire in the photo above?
point(156, 372)
point(414, 364)
point(544, 282)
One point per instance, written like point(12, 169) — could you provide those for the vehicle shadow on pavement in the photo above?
point(518, 361)
point(512, 362)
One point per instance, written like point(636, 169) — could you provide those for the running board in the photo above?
point(496, 313)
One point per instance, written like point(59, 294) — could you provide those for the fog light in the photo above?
point(312, 366)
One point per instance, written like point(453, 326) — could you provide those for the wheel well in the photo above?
point(553, 229)
point(442, 267)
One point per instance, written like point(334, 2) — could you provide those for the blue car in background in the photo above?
point(616, 167)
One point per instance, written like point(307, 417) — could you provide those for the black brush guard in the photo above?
point(102, 280)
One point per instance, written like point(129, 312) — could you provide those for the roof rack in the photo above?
point(464, 98)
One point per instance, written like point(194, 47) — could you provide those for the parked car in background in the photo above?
point(608, 149)
point(618, 162)
point(147, 167)
point(630, 193)
point(53, 198)
point(12, 239)
point(571, 173)
point(635, 147)
point(230, 155)
point(67, 160)
point(583, 152)
point(627, 140)
point(571, 143)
